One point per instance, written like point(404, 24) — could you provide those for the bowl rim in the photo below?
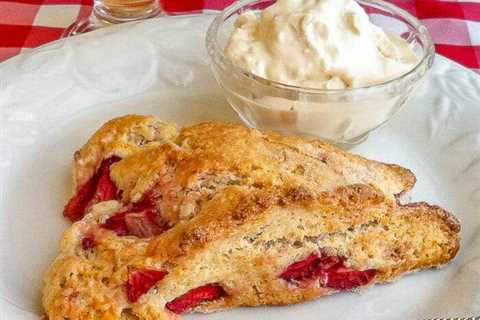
point(214, 50)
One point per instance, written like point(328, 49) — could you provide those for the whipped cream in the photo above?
point(328, 44)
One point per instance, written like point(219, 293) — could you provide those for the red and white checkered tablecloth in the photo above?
point(25, 24)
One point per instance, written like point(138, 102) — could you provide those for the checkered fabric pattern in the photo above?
point(25, 24)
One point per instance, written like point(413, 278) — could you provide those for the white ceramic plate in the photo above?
point(53, 98)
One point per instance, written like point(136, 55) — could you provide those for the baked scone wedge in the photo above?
point(245, 247)
point(121, 159)
point(220, 215)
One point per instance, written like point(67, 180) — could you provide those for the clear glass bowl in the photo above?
point(343, 116)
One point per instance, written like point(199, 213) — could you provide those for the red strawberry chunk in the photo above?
point(98, 188)
point(76, 207)
point(348, 279)
point(303, 269)
point(140, 224)
point(106, 189)
point(144, 224)
point(140, 281)
point(117, 224)
point(195, 297)
point(142, 220)
point(88, 242)
point(330, 270)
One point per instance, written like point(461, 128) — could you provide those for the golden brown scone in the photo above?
point(207, 157)
point(240, 250)
point(210, 156)
point(221, 216)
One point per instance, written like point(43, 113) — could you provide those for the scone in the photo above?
point(222, 216)
point(187, 168)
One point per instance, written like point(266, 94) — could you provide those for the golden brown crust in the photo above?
point(248, 145)
point(402, 180)
point(243, 205)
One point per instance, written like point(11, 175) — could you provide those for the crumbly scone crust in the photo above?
point(243, 206)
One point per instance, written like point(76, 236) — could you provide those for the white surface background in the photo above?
point(53, 98)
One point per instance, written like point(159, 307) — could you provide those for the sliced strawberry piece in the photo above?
point(140, 224)
point(303, 269)
point(76, 207)
point(117, 224)
point(106, 189)
point(98, 188)
point(142, 220)
point(346, 279)
point(88, 242)
point(330, 270)
point(140, 281)
point(195, 297)
point(144, 224)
